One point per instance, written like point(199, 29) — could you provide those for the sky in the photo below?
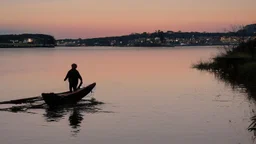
point(100, 18)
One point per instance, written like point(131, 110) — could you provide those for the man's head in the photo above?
point(74, 66)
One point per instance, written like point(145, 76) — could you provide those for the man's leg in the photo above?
point(74, 86)
point(70, 87)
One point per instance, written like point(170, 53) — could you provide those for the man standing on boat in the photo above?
point(73, 75)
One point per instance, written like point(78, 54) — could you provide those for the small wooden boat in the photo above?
point(56, 99)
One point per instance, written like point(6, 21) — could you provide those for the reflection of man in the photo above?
point(73, 75)
point(74, 121)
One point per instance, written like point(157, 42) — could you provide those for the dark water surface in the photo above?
point(151, 96)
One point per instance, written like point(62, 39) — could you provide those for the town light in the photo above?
point(30, 40)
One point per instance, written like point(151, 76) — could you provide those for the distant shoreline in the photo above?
point(27, 46)
point(10, 45)
point(27, 41)
point(147, 46)
point(52, 46)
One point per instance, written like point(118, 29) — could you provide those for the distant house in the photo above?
point(28, 40)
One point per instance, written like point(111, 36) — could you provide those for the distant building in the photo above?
point(29, 40)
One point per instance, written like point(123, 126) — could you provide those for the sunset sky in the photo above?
point(99, 18)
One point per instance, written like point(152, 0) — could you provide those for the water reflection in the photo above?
point(237, 83)
point(76, 112)
point(54, 115)
point(75, 119)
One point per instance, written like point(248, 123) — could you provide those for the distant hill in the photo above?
point(248, 29)
point(159, 39)
point(27, 40)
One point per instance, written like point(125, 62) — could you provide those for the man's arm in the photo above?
point(66, 76)
point(79, 76)
point(81, 79)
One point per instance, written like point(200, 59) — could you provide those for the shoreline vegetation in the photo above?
point(236, 66)
point(238, 62)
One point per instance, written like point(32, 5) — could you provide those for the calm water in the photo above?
point(151, 96)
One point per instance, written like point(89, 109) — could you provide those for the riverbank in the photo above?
point(236, 61)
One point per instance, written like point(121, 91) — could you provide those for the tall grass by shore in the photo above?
point(238, 61)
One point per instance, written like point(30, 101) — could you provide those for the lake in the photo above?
point(150, 95)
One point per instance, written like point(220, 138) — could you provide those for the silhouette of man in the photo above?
point(73, 75)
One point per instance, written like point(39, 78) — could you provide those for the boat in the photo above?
point(57, 99)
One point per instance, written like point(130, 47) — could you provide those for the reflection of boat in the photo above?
point(59, 113)
point(55, 115)
point(55, 99)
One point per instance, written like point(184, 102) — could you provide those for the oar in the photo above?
point(24, 100)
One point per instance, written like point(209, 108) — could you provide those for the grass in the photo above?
point(204, 65)
point(235, 65)
point(240, 65)
point(248, 72)
point(232, 59)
